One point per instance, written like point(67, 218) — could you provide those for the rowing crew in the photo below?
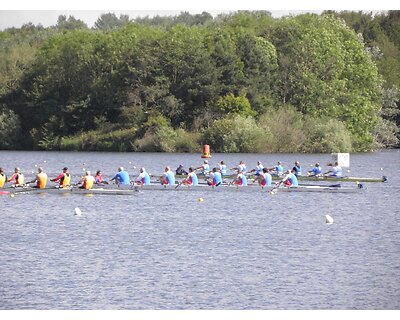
point(276, 170)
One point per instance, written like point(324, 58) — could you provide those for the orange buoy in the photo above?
point(206, 151)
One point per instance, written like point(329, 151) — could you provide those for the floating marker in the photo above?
point(329, 219)
point(11, 195)
point(200, 199)
point(35, 165)
point(44, 161)
point(77, 211)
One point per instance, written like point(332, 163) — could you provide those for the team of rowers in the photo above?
point(213, 177)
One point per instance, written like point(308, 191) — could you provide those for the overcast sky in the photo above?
point(15, 13)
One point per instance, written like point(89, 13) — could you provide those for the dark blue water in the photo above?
point(233, 250)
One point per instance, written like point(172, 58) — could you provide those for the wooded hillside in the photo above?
point(241, 82)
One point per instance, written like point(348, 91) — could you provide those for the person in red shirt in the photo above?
point(18, 177)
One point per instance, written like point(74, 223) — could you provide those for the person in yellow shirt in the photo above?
point(3, 178)
point(87, 180)
point(40, 180)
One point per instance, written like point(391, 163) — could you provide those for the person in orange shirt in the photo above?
point(40, 180)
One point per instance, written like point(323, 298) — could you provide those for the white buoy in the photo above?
point(329, 219)
point(78, 211)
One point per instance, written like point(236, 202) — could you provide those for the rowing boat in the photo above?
point(310, 178)
point(131, 190)
point(252, 188)
point(101, 191)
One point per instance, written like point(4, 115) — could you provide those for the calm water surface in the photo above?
point(167, 250)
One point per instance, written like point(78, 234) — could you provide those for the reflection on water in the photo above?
point(167, 250)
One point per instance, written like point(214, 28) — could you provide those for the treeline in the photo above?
point(241, 82)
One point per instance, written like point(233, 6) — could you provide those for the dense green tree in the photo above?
point(161, 83)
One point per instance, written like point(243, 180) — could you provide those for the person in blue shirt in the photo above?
point(336, 170)
point(259, 169)
point(168, 178)
point(215, 178)
point(290, 180)
point(205, 168)
point(316, 171)
point(191, 179)
point(122, 177)
point(222, 168)
point(277, 170)
point(143, 178)
point(264, 179)
point(297, 169)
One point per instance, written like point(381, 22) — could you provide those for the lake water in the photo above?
point(167, 250)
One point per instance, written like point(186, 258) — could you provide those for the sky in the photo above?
point(18, 12)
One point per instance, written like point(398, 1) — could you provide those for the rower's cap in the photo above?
point(205, 161)
point(65, 168)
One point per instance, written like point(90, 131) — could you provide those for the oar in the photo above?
point(178, 185)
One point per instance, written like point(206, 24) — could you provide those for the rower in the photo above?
point(168, 177)
point(40, 179)
point(205, 168)
point(316, 171)
point(121, 177)
point(222, 168)
point(143, 178)
point(336, 170)
point(18, 177)
point(259, 169)
point(191, 179)
point(3, 178)
point(63, 178)
point(241, 168)
point(290, 180)
point(215, 178)
point(264, 179)
point(297, 169)
point(240, 179)
point(277, 170)
point(87, 181)
point(98, 178)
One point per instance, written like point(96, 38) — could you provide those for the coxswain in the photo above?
point(316, 171)
point(215, 178)
point(259, 169)
point(222, 168)
point(63, 178)
point(240, 179)
point(87, 181)
point(168, 177)
point(191, 179)
point(205, 168)
point(264, 179)
point(297, 169)
point(277, 170)
point(121, 177)
point(336, 170)
point(40, 179)
point(180, 171)
point(143, 179)
point(18, 177)
point(3, 178)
